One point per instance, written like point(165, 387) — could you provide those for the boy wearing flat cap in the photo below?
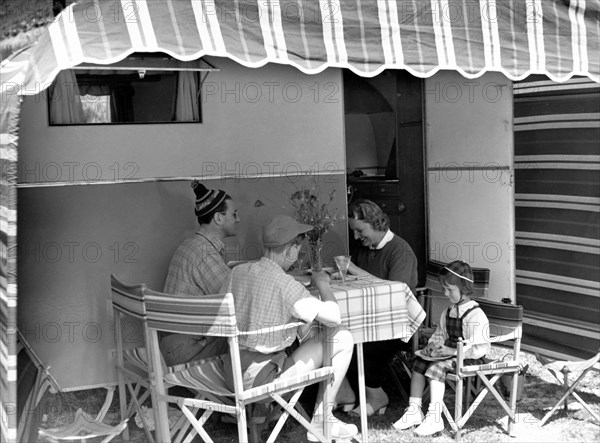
point(265, 296)
point(198, 268)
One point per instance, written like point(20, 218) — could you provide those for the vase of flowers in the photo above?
point(311, 210)
point(315, 248)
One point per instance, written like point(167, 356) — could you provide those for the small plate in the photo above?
point(420, 353)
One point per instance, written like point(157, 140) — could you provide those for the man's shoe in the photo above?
point(344, 407)
point(370, 410)
point(412, 416)
point(339, 430)
point(432, 424)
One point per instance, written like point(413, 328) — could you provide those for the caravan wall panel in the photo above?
point(77, 230)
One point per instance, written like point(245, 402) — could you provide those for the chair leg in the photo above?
point(255, 431)
point(458, 404)
point(513, 404)
point(565, 372)
point(469, 393)
point(242, 423)
point(123, 402)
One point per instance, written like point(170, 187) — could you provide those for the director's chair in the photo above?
point(214, 315)
point(506, 326)
point(433, 302)
point(133, 359)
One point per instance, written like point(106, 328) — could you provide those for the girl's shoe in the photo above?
point(432, 424)
point(412, 416)
point(370, 410)
point(339, 430)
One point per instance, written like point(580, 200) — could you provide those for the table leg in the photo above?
point(362, 395)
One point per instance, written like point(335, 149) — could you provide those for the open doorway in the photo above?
point(385, 151)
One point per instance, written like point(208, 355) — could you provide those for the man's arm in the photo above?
point(211, 271)
point(325, 310)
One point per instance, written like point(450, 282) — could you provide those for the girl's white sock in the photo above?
point(416, 401)
point(435, 409)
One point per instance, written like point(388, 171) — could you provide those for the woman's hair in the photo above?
point(458, 273)
point(370, 213)
point(222, 208)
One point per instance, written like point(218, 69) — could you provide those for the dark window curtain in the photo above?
point(186, 99)
point(65, 104)
point(121, 104)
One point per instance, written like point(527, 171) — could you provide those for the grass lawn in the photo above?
point(487, 425)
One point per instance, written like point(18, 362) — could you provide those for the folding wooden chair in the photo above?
point(85, 427)
point(214, 315)
point(132, 368)
point(561, 371)
point(44, 381)
point(506, 325)
point(132, 358)
point(432, 299)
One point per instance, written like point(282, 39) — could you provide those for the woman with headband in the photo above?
point(463, 319)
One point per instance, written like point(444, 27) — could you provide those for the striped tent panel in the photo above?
point(207, 315)
point(9, 123)
point(557, 199)
point(517, 37)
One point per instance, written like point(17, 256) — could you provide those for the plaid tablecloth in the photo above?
point(373, 309)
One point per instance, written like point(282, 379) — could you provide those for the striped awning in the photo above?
point(558, 38)
point(515, 37)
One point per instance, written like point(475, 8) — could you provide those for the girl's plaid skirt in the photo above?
point(437, 370)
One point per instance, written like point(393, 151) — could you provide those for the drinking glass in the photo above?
point(342, 262)
point(301, 259)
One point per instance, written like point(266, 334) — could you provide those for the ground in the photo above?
point(540, 393)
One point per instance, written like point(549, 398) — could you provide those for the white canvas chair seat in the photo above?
point(214, 315)
point(84, 427)
point(572, 366)
point(561, 371)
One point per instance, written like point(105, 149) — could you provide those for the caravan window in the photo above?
point(88, 97)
